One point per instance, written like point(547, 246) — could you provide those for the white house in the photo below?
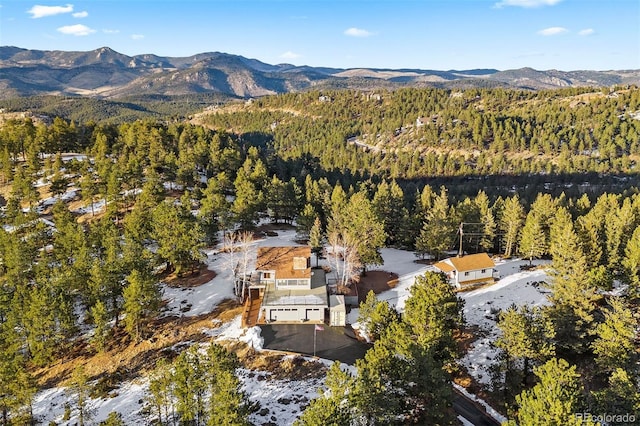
point(289, 290)
point(465, 271)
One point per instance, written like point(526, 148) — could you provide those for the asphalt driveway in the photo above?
point(335, 343)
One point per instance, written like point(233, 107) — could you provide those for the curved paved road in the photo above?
point(471, 411)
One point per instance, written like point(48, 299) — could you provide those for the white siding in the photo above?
point(337, 311)
point(338, 318)
point(474, 275)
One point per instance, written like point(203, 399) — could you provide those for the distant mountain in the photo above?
point(105, 73)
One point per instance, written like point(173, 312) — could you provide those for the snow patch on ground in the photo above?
point(281, 401)
point(194, 301)
point(516, 287)
point(49, 405)
point(203, 299)
point(66, 197)
point(233, 330)
point(403, 263)
point(98, 206)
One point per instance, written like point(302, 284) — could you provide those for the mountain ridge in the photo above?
point(106, 73)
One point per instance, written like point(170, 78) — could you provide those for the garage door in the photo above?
point(315, 314)
point(284, 314)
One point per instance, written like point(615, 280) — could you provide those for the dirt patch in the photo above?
point(271, 230)
point(167, 337)
point(195, 279)
point(378, 281)
point(282, 367)
point(465, 337)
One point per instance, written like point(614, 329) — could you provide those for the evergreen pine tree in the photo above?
point(316, 239)
point(160, 394)
point(574, 296)
point(438, 229)
point(631, 264)
point(526, 338)
point(619, 226)
point(555, 400)
point(614, 344)
point(375, 316)
point(434, 311)
point(361, 224)
point(248, 202)
point(189, 379)
point(620, 397)
point(510, 224)
point(80, 389)
point(17, 388)
point(215, 209)
point(532, 240)
point(178, 235)
point(39, 326)
point(141, 301)
point(100, 318)
point(488, 220)
point(305, 222)
point(226, 401)
point(332, 407)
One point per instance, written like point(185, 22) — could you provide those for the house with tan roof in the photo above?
point(286, 288)
point(469, 270)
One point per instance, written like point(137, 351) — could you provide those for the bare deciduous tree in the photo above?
point(238, 254)
point(344, 257)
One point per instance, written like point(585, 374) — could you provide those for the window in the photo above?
point(484, 271)
point(466, 274)
point(266, 275)
point(293, 283)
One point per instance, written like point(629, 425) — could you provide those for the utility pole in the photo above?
point(461, 231)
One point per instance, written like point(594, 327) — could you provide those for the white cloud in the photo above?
point(76, 30)
point(551, 31)
point(586, 32)
point(137, 36)
point(526, 3)
point(289, 55)
point(82, 14)
point(39, 11)
point(108, 31)
point(357, 32)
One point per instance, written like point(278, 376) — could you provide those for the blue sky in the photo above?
point(439, 34)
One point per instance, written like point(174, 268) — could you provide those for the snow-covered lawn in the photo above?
point(204, 298)
point(49, 405)
point(281, 401)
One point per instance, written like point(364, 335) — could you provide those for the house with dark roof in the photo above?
point(467, 271)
